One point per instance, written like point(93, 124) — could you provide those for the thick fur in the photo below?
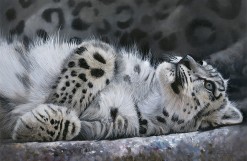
point(55, 90)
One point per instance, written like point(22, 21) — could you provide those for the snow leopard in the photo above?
point(58, 90)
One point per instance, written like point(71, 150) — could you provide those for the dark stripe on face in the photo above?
point(183, 76)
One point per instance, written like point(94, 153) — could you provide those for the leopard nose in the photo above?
point(187, 61)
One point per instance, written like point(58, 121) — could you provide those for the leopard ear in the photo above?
point(230, 115)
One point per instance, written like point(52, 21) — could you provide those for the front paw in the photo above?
point(47, 122)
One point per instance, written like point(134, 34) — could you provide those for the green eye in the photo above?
point(209, 85)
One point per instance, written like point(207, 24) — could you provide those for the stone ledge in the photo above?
point(226, 143)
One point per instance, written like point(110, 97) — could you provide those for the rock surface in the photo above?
point(226, 143)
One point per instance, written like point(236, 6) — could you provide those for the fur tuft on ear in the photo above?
point(230, 115)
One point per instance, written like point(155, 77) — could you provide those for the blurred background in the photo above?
point(206, 29)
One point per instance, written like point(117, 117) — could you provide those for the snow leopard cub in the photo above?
point(56, 90)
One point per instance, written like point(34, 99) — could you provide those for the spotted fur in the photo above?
point(55, 90)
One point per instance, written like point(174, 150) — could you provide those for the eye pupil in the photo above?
point(209, 86)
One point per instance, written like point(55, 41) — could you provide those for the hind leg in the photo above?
point(47, 122)
point(89, 70)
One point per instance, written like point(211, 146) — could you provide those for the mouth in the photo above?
point(180, 79)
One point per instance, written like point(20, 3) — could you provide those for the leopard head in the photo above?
point(195, 92)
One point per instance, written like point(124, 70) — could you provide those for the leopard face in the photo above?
point(197, 93)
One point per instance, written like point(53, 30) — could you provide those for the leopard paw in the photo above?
point(47, 122)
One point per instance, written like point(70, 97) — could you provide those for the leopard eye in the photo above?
point(209, 85)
